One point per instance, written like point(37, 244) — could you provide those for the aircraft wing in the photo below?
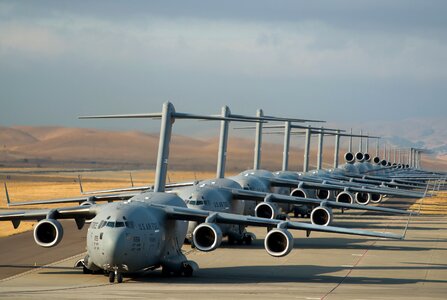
point(315, 185)
point(57, 213)
point(180, 213)
point(139, 188)
point(363, 189)
point(92, 199)
point(78, 213)
point(277, 198)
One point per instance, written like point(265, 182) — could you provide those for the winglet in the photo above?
point(80, 184)
point(8, 200)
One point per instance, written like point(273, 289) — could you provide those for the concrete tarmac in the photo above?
point(323, 266)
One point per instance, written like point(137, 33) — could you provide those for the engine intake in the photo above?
point(207, 237)
point(359, 157)
point(376, 198)
point(321, 216)
point(278, 242)
point(367, 157)
point(376, 160)
point(362, 198)
point(349, 157)
point(48, 233)
point(266, 210)
point(299, 192)
point(345, 197)
point(322, 194)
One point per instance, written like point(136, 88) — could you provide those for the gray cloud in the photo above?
point(335, 60)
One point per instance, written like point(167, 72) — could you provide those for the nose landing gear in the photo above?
point(117, 275)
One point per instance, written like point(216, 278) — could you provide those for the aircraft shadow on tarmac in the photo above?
point(289, 273)
point(333, 243)
point(274, 274)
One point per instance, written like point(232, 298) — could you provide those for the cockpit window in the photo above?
point(119, 224)
point(192, 202)
point(101, 224)
point(110, 224)
point(199, 202)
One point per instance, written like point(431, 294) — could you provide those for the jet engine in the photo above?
point(266, 210)
point(87, 203)
point(376, 160)
point(278, 242)
point(345, 197)
point(207, 237)
point(384, 163)
point(367, 157)
point(349, 157)
point(376, 197)
point(362, 198)
point(48, 233)
point(300, 192)
point(321, 216)
point(322, 194)
point(359, 157)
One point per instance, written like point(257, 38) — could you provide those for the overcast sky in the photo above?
point(347, 60)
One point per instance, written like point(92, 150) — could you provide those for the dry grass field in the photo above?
point(436, 205)
point(40, 186)
point(34, 184)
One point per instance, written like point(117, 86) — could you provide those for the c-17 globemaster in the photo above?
point(147, 231)
point(227, 195)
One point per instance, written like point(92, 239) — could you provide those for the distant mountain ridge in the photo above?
point(428, 133)
point(26, 146)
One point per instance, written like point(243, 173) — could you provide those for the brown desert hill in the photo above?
point(10, 136)
point(25, 146)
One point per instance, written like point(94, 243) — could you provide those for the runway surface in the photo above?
point(323, 266)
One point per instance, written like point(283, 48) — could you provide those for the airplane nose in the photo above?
point(115, 247)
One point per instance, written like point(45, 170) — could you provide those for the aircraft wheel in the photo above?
point(230, 240)
point(112, 277)
point(165, 272)
point(187, 271)
point(248, 240)
point(86, 271)
point(119, 278)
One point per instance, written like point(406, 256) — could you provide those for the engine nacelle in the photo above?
point(303, 193)
point(376, 198)
point(48, 233)
point(207, 237)
point(367, 157)
point(359, 157)
point(322, 194)
point(321, 216)
point(376, 160)
point(384, 163)
point(278, 242)
point(349, 157)
point(266, 210)
point(362, 198)
point(345, 197)
point(87, 203)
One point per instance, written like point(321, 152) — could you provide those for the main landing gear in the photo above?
point(247, 238)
